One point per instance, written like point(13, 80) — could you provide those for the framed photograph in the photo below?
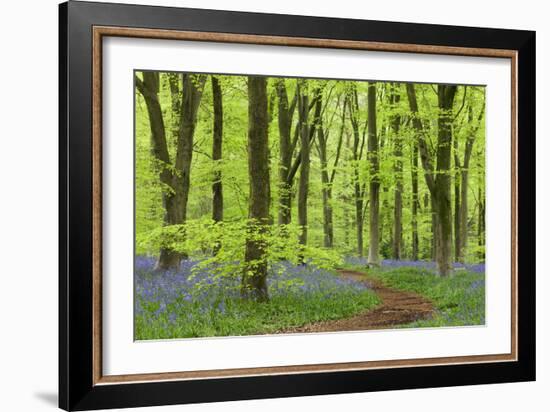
point(256, 205)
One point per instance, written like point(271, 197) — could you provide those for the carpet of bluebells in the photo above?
point(193, 302)
point(459, 299)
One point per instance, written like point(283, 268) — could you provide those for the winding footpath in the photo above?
point(397, 308)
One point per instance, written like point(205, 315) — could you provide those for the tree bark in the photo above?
point(415, 200)
point(434, 242)
point(345, 197)
point(303, 184)
point(217, 139)
point(171, 194)
point(327, 178)
point(192, 93)
point(463, 209)
point(398, 171)
point(459, 257)
point(481, 224)
point(254, 279)
point(326, 189)
point(285, 114)
point(353, 103)
point(217, 146)
point(374, 185)
point(464, 177)
point(445, 97)
point(177, 203)
point(174, 80)
point(439, 186)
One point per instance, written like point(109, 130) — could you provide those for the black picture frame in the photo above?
point(77, 390)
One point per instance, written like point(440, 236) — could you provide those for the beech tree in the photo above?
point(374, 185)
point(217, 142)
point(175, 176)
point(286, 149)
point(328, 174)
point(461, 181)
point(303, 188)
point(254, 279)
point(438, 178)
point(398, 170)
point(359, 187)
point(415, 202)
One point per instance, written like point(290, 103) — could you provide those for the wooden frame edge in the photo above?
point(97, 229)
point(298, 369)
point(297, 41)
point(98, 32)
point(514, 204)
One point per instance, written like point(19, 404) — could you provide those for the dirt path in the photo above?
point(397, 308)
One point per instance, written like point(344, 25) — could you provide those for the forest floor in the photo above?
point(398, 307)
point(194, 302)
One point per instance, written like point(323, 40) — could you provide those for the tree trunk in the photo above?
point(481, 224)
point(374, 185)
point(445, 95)
point(328, 218)
point(326, 190)
point(303, 184)
point(434, 243)
point(459, 257)
point(192, 93)
point(463, 210)
point(254, 279)
point(174, 80)
point(440, 185)
point(415, 201)
point(149, 89)
point(285, 114)
point(398, 170)
point(217, 141)
point(353, 103)
point(345, 199)
point(464, 175)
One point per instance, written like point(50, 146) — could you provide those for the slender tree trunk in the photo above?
point(181, 182)
point(357, 153)
point(463, 216)
point(463, 209)
point(254, 279)
point(285, 112)
point(434, 243)
point(326, 190)
point(353, 102)
point(171, 197)
point(345, 199)
point(217, 140)
point(445, 96)
point(440, 185)
point(464, 176)
point(457, 201)
point(358, 217)
point(398, 170)
point(374, 186)
point(328, 218)
point(415, 201)
point(303, 184)
point(384, 223)
point(481, 224)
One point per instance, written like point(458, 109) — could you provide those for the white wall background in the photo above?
point(28, 205)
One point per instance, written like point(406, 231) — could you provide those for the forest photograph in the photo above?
point(273, 205)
